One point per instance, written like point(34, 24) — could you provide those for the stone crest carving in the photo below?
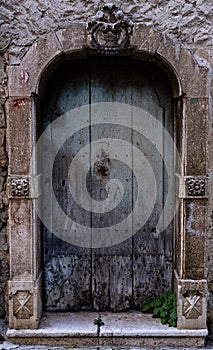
point(192, 305)
point(22, 305)
point(196, 186)
point(110, 30)
point(192, 299)
point(19, 187)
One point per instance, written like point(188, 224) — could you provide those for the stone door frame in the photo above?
point(190, 92)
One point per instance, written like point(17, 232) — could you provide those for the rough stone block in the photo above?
point(2, 116)
point(196, 119)
point(195, 231)
point(19, 134)
point(73, 38)
point(3, 239)
point(193, 78)
point(145, 39)
point(23, 79)
point(2, 137)
point(21, 237)
point(2, 143)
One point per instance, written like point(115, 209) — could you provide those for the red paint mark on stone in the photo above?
point(19, 218)
point(20, 101)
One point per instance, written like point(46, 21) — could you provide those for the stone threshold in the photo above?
point(131, 328)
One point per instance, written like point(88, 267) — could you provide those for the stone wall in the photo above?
point(188, 22)
point(3, 197)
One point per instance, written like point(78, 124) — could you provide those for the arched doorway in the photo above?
point(189, 83)
point(120, 276)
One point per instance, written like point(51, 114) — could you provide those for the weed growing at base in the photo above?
point(164, 308)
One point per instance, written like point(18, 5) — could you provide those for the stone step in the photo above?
point(10, 346)
point(132, 328)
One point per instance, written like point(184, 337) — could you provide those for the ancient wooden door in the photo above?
point(125, 275)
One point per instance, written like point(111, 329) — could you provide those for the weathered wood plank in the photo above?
point(151, 249)
point(67, 283)
point(109, 85)
point(121, 293)
point(100, 282)
point(71, 262)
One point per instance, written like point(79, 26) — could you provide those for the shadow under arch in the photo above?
point(155, 58)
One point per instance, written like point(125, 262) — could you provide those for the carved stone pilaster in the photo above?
point(192, 186)
point(110, 30)
point(191, 305)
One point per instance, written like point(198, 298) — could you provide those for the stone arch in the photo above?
point(190, 77)
point(189, 82)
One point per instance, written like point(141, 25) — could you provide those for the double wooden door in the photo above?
point(125, 275)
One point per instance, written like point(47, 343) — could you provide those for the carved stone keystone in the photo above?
point(110, 30)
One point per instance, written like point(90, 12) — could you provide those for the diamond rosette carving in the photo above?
point(192, 305)
point(110, 30)
point(23, 305)
point(196, 186)
point(19, 187)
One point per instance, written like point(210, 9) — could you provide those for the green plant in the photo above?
point(98, 322)
point(164, 308)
